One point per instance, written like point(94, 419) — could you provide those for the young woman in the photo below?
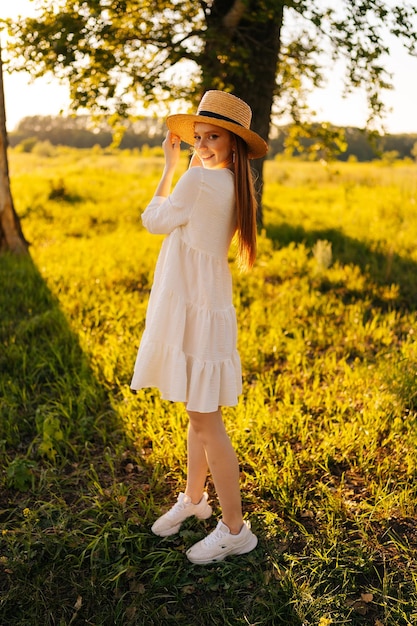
point(188, 349)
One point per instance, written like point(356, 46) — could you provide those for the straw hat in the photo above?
point(221, 109)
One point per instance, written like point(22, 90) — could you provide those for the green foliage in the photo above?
point(326, 429)
point(163, 51)
point(27, 144)
point(20, 474)
point(324, 141)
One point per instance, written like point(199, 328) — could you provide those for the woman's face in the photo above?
point(214, 145)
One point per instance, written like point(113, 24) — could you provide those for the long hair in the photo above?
point(246, 206)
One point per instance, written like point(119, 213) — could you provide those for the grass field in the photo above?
point(326, 429)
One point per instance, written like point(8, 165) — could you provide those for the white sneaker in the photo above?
point(169, 523)
point(221, 543)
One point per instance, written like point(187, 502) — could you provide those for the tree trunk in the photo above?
point(11, 235)
point(241, 55)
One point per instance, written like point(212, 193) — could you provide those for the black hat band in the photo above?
point(218, 116)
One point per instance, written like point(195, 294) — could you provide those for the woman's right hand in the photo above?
point(172, 149)
point(171, 146)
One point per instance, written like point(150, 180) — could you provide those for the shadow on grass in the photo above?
point(382, 268)
point(50, 402)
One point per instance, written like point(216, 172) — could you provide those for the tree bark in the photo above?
point(241, 55)
point(11, 235)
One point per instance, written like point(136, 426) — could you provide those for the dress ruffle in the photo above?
point(188, 349)
point(202, 385)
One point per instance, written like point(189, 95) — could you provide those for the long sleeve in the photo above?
point(163, 215)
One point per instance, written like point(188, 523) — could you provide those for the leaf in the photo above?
point(367, 597)
point(20, 474)
point(137, 587)
point(131, 612)
point(359, 606)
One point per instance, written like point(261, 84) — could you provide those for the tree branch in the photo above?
point(233, 17)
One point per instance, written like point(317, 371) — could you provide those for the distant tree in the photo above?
point(389, 157)
point(320, 142)
point(11, 235)
point(81, 131)
point(414, 151)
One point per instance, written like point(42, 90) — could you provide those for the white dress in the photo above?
point(188, 348)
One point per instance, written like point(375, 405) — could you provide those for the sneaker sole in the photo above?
point(238, 550)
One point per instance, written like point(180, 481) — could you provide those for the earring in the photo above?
point(233, 156)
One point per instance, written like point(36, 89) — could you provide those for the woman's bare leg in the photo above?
point(208, 429)
point(197, 467)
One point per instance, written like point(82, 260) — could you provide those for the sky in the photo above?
point(45, 96)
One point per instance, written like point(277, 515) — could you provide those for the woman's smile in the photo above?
point(213, 145)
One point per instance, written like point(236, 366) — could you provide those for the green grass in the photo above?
point(326, 429)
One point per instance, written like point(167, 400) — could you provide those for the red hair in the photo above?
point(246, 206)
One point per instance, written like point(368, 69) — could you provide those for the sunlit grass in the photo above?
point(325, 429)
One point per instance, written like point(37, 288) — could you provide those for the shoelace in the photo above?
point(178, 506)
point(217, 534)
